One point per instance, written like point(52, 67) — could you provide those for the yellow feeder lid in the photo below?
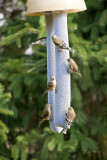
point(39, 7)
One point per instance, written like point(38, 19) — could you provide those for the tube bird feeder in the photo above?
point(55, 12)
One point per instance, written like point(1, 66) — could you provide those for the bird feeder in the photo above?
point(55, 12)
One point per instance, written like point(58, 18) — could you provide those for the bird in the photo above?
point(50, 86)
point(45, 114)
point(42, 41)
point(69, 117)
point(61, 44)
point(73, 67)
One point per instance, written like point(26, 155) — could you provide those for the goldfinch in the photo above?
point(69, 117)
point(51, 85)
point(73, 66)
point(45, 114)
point(61, 44)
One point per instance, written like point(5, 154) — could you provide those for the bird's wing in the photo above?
point(64, 45)
point(58, 42)
point(50, 84)
point(44, 114)
point(39, 41)
point(70, 116)
point(41, 38)
point(72, 68)
point(75, 67)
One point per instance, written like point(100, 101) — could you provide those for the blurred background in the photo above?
point(23, 77)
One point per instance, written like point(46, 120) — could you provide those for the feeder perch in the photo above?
point(55, 12)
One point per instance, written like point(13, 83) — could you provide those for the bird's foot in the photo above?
point(60, 50)
point(51, 117)
point(56, 89)
point(68, 71)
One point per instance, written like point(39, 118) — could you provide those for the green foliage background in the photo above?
point(23, 80)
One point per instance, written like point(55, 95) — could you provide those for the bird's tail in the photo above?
point(44, 93)
point(80, 74)
point(71, 50)
point(40, 121)
point(37, 42)
point(65, 131)
point(39, 124)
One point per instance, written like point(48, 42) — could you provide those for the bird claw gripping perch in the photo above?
point(60, 50)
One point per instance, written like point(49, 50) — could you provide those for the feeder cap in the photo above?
point(39, 7)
